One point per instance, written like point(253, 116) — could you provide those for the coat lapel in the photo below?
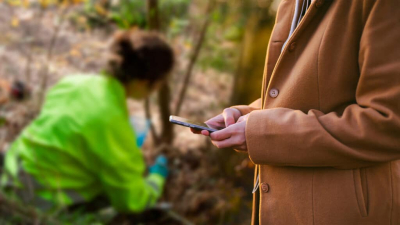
point(280, 34)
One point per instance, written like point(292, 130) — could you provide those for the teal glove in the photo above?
point(160, 166)
point(141, 126)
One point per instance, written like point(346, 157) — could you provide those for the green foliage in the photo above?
point(3, 121)
point(125, 13)
point(221, 59)
point(173, 16)
point(129, 13)
point(234, 33)
point(13, 211)
point(217, 16)
point(221, 52)
point(177, 8)
point(176, 26)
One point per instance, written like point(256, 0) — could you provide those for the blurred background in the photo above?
point(220, 47)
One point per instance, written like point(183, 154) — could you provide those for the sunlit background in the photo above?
point(220, 47)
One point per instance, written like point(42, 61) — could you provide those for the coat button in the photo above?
point(264, 187)
point(319, 3)
point(292, 46)
point(273, 93)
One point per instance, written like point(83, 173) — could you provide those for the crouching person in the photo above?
point(82, 146)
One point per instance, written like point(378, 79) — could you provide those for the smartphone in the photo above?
point(192, 124)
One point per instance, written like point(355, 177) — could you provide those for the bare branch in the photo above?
point(178, 217)
point(49, 55)
point(194, 57)
point(31, 45)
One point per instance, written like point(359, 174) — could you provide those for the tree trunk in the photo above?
point(248, 76)
point(164, 99)
point(194, 56)
point(164, 94)
point(153, 15)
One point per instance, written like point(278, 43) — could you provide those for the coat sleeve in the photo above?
point(365, 134)
point(118, 164)
point(246, 109)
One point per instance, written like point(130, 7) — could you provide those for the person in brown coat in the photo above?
point(325, 134)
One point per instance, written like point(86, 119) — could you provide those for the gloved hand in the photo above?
point(160, 166)
point(141, 126)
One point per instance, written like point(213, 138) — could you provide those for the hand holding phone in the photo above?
point(227, 118)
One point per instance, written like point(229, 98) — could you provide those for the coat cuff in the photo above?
point(246, 109)
point(260, 137)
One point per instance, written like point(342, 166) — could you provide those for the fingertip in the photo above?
point(229, 122)
point(205, 133)
point(212, 135)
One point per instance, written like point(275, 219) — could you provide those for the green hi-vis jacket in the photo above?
point(82, 141)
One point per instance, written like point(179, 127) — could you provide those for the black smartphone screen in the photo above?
point(193, 124)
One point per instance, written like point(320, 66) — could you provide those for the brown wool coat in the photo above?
point(326, 138)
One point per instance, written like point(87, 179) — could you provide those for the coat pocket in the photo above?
point(361, 188)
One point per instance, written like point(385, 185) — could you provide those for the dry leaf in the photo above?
point(100, 10)
point(75, 52)
point(44, 3)
point(15, 22)
point(14, 2)
point(25, 3)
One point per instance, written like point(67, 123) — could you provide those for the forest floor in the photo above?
point(201, 188)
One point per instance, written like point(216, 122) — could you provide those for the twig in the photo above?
point(27, 214)
point(194, 57)
point(176, 216)
point(50, 52)
point(30, 47)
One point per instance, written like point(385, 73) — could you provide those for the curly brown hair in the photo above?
point(139, 55)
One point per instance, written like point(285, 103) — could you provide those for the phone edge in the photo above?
point(188, 125)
